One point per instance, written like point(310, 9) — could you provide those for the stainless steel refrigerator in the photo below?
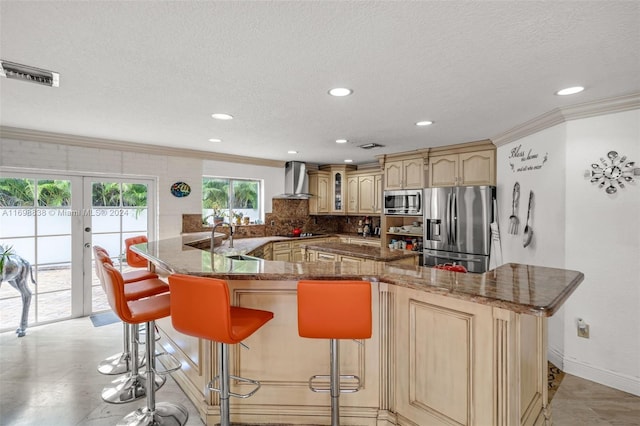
point(457, 226)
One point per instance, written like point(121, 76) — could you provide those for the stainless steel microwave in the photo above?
point(407, 202)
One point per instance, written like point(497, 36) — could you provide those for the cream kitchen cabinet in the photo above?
point(319, 187)
point(335, 186)
point(377, 194)
point(364, 193)
point(404, 174)
point(464, 169)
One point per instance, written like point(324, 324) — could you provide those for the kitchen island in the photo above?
point(447, 348)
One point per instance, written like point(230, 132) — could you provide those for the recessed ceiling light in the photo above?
point(341, 141)
point(292, 152)
point(222, 116)
point(340, 91)
point(570, 91)
point(348, 160)
point(215, 140)
point(424, 123)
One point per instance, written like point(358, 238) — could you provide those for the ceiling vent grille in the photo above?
point(29, 74)
point(370, 146)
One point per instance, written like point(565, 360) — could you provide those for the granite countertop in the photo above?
point(527, 289)
point(381, 254)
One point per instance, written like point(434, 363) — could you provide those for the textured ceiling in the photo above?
point(153, 72)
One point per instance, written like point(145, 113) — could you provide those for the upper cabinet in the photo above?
point(343, 190)
point(465, 165)
point(328, 185)
point(319, 184)
point(364, 189)
point(405, 173)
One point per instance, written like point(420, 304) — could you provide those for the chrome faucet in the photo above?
point(213, 233)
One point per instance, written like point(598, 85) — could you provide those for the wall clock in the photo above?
point(614, 171)
point(180, 189)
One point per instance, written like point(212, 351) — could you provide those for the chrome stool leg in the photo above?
point(160, 414)
point(132, 385)
point(335, 382)
point(121, 362)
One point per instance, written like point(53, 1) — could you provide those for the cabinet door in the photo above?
point(393, 175)
point(284, 256)
point(339, 188)
point(377, 194)
point(352, 195)
point(477, 168)
point(443, 170)
point(365, 194)
point(413, 171)
point(323, 194)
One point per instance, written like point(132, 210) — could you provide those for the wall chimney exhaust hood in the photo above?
point(295, 181)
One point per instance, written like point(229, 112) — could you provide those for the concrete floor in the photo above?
point(49, 377)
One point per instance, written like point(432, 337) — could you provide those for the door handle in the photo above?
point(87, 245)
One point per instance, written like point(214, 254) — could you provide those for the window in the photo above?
point(231, 200)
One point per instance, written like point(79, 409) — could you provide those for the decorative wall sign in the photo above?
point(180, 189)
point(615, 171)
point(521, 160)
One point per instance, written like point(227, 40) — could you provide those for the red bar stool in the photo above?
point(334, 310)
point(134, 259)
point(130, 385)
point(120, 363)
point(140, 311)
point(200, 307)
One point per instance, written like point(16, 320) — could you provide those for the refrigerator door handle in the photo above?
point(455, 218)
point(448, 214)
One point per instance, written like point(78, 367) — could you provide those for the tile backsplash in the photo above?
point(286, 215)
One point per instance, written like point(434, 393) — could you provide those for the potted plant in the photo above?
point(238, 218)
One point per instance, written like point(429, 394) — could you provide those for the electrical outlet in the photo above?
point(273, 222)
point(583, 329)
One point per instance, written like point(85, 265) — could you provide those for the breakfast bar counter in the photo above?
point(447, 347)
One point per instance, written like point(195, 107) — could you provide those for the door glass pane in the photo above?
point(119, 211)
point(35, 221)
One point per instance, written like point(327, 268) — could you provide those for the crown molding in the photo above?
point(562, 115)
point(109, 144)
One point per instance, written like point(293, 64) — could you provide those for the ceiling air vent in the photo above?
point(29, 74)
point(370, 146)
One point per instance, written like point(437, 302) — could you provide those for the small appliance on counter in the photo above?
point(457, 226)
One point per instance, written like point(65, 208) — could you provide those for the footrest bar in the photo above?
point(351, 387)
point(213, 388)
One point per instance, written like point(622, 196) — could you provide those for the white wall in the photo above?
point(578, 226)
point(547, 248)
point(603, 241)
point(36, 156)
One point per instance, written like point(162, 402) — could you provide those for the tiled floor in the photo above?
point(49, 377)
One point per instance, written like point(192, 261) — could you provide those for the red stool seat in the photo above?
point(134, 259)
point(201, 307)
point(334, 310)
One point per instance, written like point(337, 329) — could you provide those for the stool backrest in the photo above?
point(114, 288)
point(133, 259)
point(334, 309)
point(98, 254)
point(200, 307)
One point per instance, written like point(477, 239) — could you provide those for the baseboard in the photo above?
point(556, 358)
point(612, 379)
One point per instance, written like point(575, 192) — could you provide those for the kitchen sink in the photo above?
point(242, 257)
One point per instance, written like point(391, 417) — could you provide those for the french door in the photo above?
point(52, 221)
point(117, 209)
